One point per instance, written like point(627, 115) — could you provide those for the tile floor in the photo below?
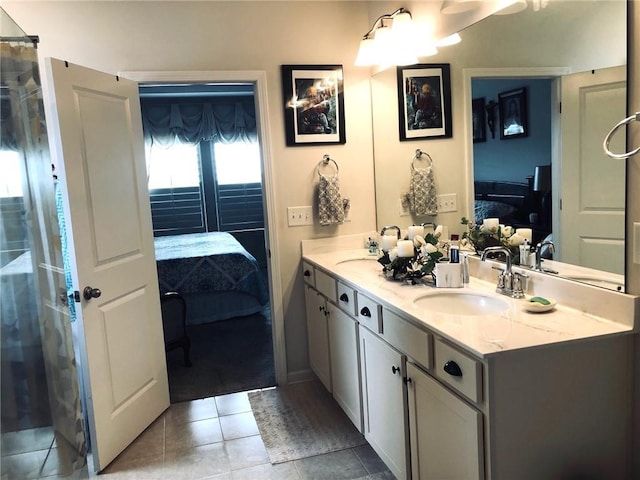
point(216, 439)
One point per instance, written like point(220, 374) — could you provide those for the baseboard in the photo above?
point(300, 376)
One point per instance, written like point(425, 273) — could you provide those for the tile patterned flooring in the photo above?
point(215, 438)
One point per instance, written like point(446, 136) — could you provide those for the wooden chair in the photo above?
point(174, 323)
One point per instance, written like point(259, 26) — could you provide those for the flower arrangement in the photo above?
point(426, 253)
point(491, 234)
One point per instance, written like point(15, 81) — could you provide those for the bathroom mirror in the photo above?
point(593, 37)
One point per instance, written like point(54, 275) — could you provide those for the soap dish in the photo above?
point(535, 307)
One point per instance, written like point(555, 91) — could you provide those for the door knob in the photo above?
point(88, 293)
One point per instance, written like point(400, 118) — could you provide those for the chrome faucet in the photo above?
point(390, 227)
point(552, 249)
point(509, 282)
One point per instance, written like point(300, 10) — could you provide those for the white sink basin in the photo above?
point(360, 261)
point(461, 303)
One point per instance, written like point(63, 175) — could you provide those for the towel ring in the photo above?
point(605, 144)
point(418, 155)
point(325, 161)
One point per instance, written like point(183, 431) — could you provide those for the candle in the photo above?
point(526, 233)
point(389, 241)
point(491, 223)
point(415, 230)
point(405, 248)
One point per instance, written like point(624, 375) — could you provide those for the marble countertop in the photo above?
point(583, 312)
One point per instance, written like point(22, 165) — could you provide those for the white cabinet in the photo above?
point(445, 432)
point(383, 400)
point(345, 368)
point(318, 335)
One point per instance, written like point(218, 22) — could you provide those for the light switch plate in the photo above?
point(298, 216)
point(447, 202)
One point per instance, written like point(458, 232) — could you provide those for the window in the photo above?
point(11, 179)
point(206, 187)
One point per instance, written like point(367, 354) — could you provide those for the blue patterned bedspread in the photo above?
point(207, 262)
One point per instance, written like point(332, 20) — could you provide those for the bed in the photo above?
point(508, 201)
point(217, 276)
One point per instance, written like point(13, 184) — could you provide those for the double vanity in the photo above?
point(468, 384)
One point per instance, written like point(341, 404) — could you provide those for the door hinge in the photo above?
point(76, 296)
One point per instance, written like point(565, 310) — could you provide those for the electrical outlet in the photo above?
point(447, 203)
point(403, 207)
point(298, 216)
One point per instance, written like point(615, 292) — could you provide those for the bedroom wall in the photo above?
point(514, 159)
point(199, 36)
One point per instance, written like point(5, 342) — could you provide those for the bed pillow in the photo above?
point(490, 209)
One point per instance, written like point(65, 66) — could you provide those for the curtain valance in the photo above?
point(165, 123)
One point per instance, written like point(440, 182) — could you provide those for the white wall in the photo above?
point(191, 36)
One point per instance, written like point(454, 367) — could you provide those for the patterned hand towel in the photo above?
point(422, 190)
point(331, 207)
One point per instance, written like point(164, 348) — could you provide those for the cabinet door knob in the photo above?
point(307, 273)
point(452, 368)
point(395, 369)
point(344, 298)
point(365, 312)
point(407, 380)
point(321, 308)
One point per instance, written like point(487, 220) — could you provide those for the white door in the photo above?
point(95, 134)
point(457, 451)
point(345, 366)
point(318, 335)
point(383, 401)
point(592, 184)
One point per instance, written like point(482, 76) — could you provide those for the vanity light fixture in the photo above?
point(507, 7)
point(459, 6)
point(450, 40)
point(390, 41)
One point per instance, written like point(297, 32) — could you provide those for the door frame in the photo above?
point(259, 79)
point(554, 73)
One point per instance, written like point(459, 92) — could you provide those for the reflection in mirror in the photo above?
point(525, 48)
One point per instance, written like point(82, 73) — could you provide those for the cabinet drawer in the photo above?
point(369, 313)
point(463, 373)
point(407, 338)
point(308, 274)
point(326, 285)
point(347, 299)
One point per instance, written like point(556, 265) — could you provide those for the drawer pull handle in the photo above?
point(452, 368)
point(395, 369)
point(307, 273)
point(365, 312)
point(344, 298)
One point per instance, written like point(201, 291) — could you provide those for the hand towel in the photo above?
point(331, 207)
point(422, 191)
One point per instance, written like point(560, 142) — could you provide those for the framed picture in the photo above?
point(513, 114)
point(314, 104)
point(478, 120)
point(424, 101)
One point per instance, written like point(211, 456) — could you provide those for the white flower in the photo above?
point(507, 231)
point(429, 248)
point(393, 254)
point(515, 240)
point(418, 241)
point(438, 231)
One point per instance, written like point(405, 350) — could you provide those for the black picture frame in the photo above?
point(478, 123)
point(313, 104)
point(513, 114)
point(427, 85)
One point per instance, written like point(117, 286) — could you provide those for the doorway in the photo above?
point(205, 185)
